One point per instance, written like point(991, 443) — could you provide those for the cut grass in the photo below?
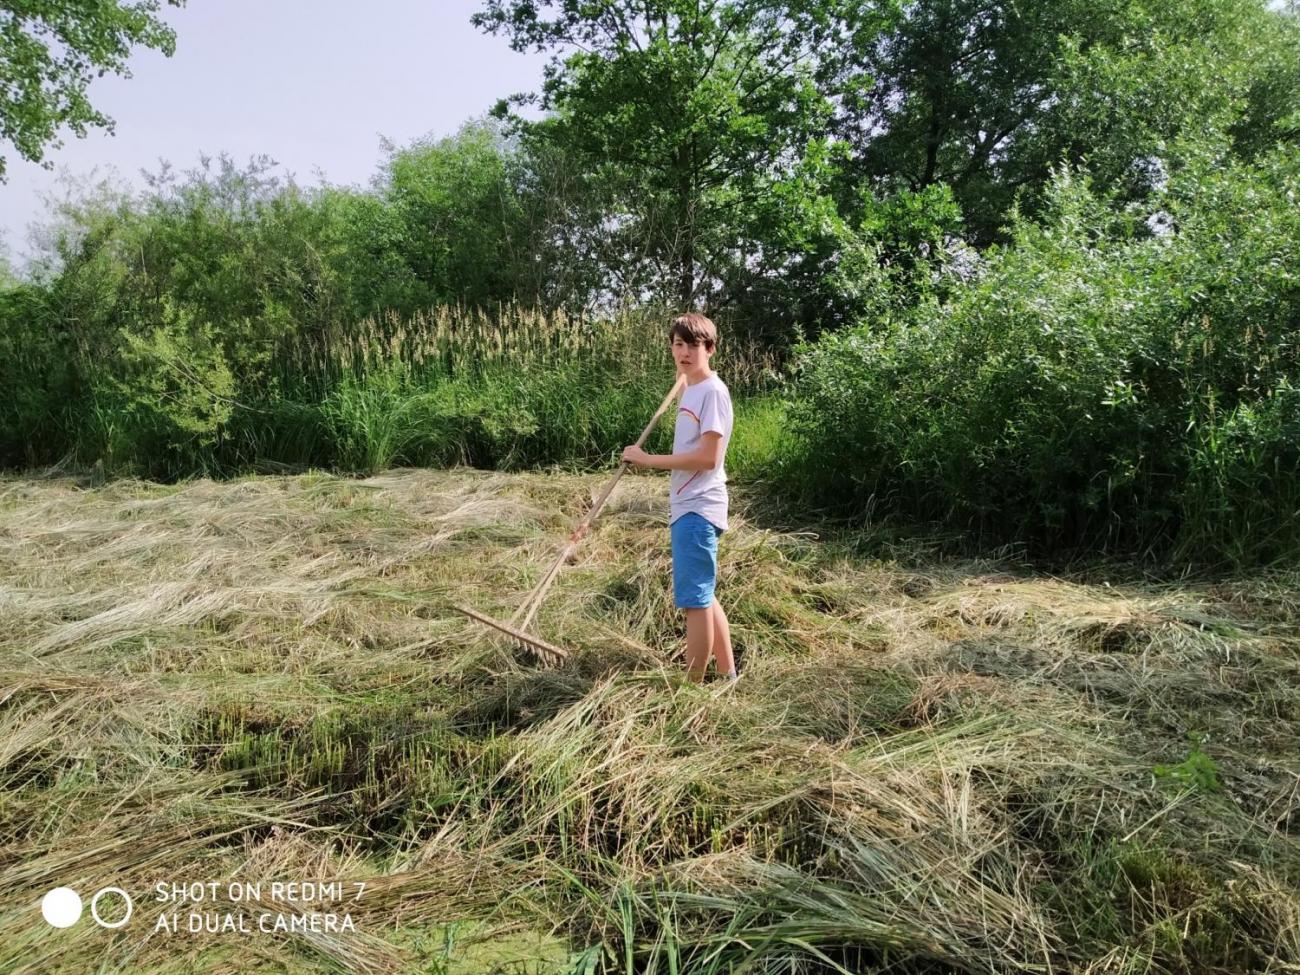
point(932, 766)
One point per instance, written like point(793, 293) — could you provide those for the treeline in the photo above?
point(1028, 271)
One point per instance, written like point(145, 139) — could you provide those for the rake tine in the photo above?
point(548, 652)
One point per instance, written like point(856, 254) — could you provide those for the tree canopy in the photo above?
point(691, 114)
point(50, 52)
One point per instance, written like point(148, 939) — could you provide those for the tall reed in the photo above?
point(518, 388)
point(449, 340)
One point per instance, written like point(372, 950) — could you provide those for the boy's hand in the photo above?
point(635, 455)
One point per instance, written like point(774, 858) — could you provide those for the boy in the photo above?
point(697, 493)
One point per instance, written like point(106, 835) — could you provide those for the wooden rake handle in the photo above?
point(529, 609)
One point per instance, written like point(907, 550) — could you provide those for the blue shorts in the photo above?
point(695, 560)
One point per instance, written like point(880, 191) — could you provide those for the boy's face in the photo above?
point(690, 358)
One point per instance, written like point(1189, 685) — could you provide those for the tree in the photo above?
point(49, 54)
point(691, 115)
point(988, 95)
point(7, 275)
point(456, 201)
point(1271, 113)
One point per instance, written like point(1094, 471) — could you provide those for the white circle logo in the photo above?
point(61, 907)
point(94, 904)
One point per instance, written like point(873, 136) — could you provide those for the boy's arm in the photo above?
point(705, 457)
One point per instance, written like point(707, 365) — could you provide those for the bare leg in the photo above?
point(722, 655)
point(699, 642)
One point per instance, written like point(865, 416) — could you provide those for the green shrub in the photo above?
point(1098, 382)
point(37, 376)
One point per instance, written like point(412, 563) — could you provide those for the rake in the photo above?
point(517, 628)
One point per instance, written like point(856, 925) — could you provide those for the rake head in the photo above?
point(548, 653)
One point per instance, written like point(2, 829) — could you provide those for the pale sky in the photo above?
point(312, 83)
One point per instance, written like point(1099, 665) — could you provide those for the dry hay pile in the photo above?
point(931, 766)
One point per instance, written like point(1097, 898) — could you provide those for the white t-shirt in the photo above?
point(703, 408)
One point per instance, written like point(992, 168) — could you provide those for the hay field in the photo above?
point(927, 765)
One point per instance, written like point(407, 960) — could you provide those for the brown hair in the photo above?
point(695, 329)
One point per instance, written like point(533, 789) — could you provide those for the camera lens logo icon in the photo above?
point(62, 907)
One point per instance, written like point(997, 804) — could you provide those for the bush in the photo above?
point(36, 375)
point(1105, 380)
